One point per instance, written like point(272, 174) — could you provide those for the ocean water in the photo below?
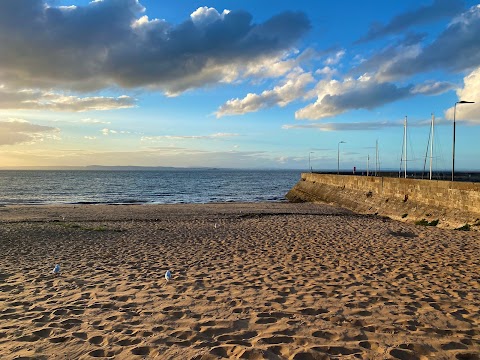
point(144, 187)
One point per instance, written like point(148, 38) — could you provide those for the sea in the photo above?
point(182, 186)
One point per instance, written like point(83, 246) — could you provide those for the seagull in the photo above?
point(56, 269)
point(168, 275)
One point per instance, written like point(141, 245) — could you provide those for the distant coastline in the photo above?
point(137, 168)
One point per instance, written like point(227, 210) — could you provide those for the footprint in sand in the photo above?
point(80, 335)
point(403, 354)
point(59, 339)
point(266, 320)
point(275, 340)
point(141, 350)
point(128, 342)
point(70, 323)
point(336, 350)
point(96, 340)
point(100, 353)
point(325, 335)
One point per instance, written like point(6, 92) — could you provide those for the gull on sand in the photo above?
point(56, 269)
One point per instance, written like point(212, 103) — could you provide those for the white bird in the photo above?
point(56, 269)
point(168, 275)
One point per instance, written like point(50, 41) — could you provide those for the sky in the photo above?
point(239, 84)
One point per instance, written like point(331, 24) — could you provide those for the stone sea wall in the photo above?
point(453, 204)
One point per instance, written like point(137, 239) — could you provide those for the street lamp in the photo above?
point(453, 151)
point(309, 164)
point(338, 156)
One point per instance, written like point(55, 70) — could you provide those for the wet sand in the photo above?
point(250, 281)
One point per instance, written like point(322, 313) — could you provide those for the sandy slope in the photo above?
point(251, 281)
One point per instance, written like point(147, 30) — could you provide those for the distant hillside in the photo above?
point(103, 168)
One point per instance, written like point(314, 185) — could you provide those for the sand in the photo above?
point(250, 281)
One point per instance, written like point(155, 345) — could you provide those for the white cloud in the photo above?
point(432, 87)
point(29, 99)
point(359, 126)
point(292, 88)
point(469, 92)
point(270, 67)
point(335, 59)
point(189, 137)
point(107, 132)
point(204, 16)
point(336, 97)
point(17, 131)
point(94, 121)
point(327, 71)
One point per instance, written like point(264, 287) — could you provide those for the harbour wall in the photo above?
point(454, 204)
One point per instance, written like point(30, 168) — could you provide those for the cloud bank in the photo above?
point(215, 136)
point(425, 14)
point(336, 97)
point(293, 87)
point(456, 49)
point(469, 92)
point(18, 131)
point(108, 43)
point(28, 99)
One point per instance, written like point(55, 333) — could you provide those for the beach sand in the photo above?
point(250, 281)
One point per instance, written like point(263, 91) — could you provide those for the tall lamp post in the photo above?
point(309, 162)
point(454, 123)
point(338, 156)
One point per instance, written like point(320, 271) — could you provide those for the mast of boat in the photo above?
point(431, 146)
point(368, 162)
point(405, 144)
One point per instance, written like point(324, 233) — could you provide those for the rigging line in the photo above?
point(441, 163)
point(412, 157)
point(401, 157)
point(404, 149)
point(426, 152)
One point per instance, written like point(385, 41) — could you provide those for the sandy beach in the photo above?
point(250, 281)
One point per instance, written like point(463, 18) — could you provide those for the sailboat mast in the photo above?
point(405, 144)
point(431, 147)
point(368, 163)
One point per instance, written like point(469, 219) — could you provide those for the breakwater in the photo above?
point(453, 204)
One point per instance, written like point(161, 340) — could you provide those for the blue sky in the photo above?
point(250, 84)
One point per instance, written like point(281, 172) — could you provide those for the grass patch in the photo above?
point(98, 228)
point(70, 225)
point(404, 216)
point(465, 227)
point(425, 222)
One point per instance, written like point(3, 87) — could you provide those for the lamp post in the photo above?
point(309, 163)
point(338, 156)
point(454, 123)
